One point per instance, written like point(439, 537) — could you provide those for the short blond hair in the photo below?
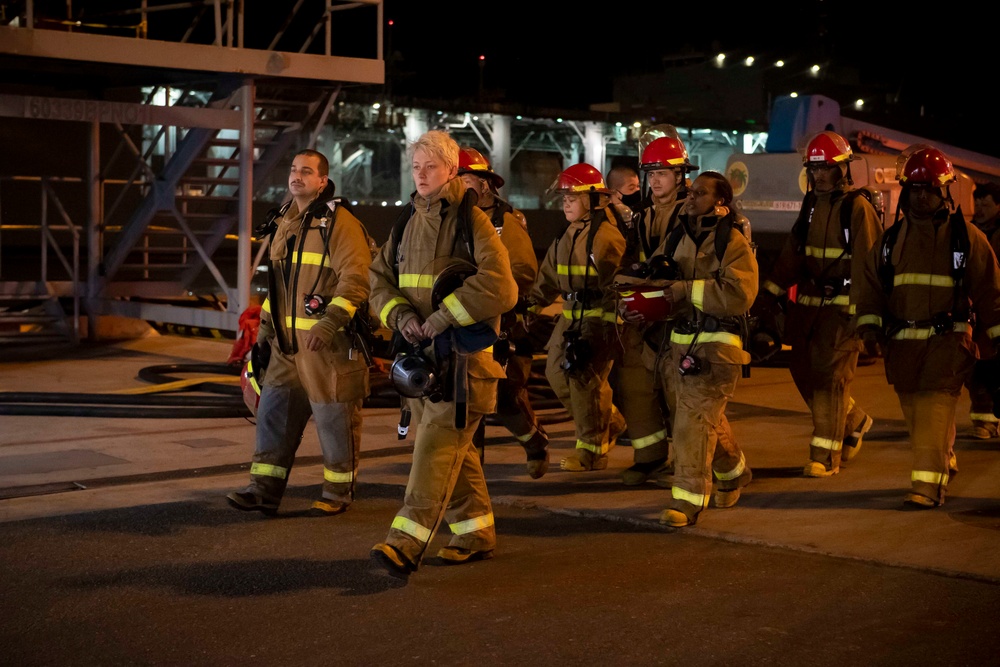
point(439, 144)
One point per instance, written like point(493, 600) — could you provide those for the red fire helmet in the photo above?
point(927, 166)
point(471, 161)
point(827, 148)
point(579, 178)
point(665, 153)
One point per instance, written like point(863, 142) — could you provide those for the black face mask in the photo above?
point(633, 200)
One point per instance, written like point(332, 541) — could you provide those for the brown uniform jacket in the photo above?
point(826, 274)
point(708, 287)
point(569, 272)
point(327, 254)
point(426, 247)
point(917, 358)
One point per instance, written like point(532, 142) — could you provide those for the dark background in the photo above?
point(928, 70)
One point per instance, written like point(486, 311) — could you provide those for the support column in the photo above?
point(416, 124)
point(594, 150)
point(239, 301)
point(91, 295)
point(500, 155)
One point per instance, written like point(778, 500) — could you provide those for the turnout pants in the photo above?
point(641, 399)
point(823, 368)
point(703, 441)
point(446, 483)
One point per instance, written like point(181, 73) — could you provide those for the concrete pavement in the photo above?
point(56, 465)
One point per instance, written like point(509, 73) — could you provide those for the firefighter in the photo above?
point(986, 216)
point(443, 227)
point(514, 351)
point(665, 163)
point(823, 257)
point(579, 266)
point(318, 272)
point(716, 281)
point(923, 280)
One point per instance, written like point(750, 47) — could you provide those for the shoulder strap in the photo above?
point(886, 271)
point(396, 235)
point(722, 232)
point(800, 230)
point(465, 223)
point(847, 214)
point(673, 240)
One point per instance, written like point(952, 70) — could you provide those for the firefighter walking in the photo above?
point(514, 350)
point(929, 271)
point(665, 165)
point(715, 285)
point(579, 266)
point(823, 257)
point(319, 259)
point(456, 330)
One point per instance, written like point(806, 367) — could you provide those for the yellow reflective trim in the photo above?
point(651, 439)
point(993, 332)
point(527, 436)
point(826, 253)
point(302, 323)
point(341, 302)
point(337, 477)
point(723, 337)
point(696, 499)
point(870, 319)
point(268, 470)
point(773, 288)
point(388, 309)
point(924, 334)
point(571, 269)
point(603, 449)
point(611, 317)
point(929, 279)
point(266, 306)
point(808, 300)
point(535, 309)
point(416, 280)
point(412, 528)
point(456, 308)
point(251, 378)
point(850, 404)
point(929, 477)
point(826, 443)
point(735, 472)
point(984, 417)
point(569, 313)
point(312, 258)
point(698, 294)
point(472, 525)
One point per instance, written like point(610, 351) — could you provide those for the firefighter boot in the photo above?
point(536, 449)
point(675, 519)
point(450, 555)
point(638, 473)
point(983, 430)
point(584, 460)
point(327, 507)
point(852, 443)
point(392, 561)
point(250, 500)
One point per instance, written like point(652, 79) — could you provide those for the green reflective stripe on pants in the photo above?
point(925, 333)
point(984, 417)
point(929, 477)
point(825, 443)
point(735, 472)
point(696, 499)
point(268, 470)
point(652, 439)
point(472, 525)
point(580, 444)
point(410, 527)
point(337, 477)
point(527, 436)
